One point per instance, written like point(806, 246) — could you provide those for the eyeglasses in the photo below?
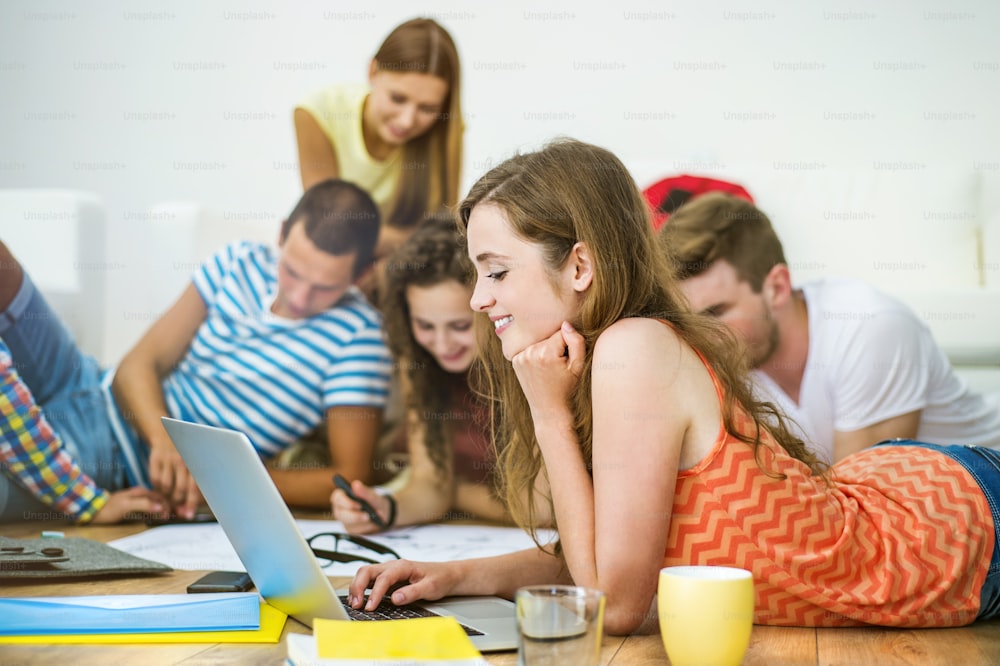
point(327, 548)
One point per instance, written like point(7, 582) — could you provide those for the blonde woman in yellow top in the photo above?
point(399, 137)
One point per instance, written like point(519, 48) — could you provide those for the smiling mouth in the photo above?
point(501, 322)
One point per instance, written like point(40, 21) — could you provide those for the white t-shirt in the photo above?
point(871, 359)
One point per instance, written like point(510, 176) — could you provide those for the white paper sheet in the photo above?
point(206, 547)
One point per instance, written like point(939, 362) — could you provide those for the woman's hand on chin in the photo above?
point(549, 370)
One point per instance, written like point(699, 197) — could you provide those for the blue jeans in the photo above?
point(66, 383)
point(984, 466)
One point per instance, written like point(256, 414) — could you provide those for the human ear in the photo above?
point(777, 286)
point(372, 70)
point(582, 264)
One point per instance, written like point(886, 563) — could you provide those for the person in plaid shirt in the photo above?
point(34, 455)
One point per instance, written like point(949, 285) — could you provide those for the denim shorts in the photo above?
point(984, 466)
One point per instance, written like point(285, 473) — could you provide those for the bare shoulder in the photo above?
point(650, 352)
point(646, 362)
point(638, 337)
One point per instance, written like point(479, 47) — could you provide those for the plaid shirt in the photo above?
point(33, 454)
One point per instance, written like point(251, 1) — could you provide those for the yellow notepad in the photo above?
point(272, 621)
point(419, 638)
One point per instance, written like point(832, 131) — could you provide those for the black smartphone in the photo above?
point(221, 581)
point(202, 516)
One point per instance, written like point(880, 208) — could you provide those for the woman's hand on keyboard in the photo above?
point(405, 581)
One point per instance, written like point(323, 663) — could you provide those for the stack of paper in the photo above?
point(130, 613)
point(272, 622)
point(425, 640)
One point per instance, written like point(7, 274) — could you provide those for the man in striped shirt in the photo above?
point(273, 343)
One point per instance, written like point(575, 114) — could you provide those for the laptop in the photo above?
point(241, 495)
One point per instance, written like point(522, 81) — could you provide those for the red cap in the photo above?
point(667, 195)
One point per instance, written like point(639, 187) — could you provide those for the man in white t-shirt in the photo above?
point(850, 365)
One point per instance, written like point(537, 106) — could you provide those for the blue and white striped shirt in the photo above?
point(270, 377)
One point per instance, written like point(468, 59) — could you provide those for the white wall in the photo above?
point(164, 101)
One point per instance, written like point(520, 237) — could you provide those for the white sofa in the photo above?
point(929, 235)
point(179, 236)
point(60, 236)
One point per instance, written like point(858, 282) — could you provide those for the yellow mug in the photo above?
point(706, 614)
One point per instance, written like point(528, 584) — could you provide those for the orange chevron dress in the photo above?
point(902, 537)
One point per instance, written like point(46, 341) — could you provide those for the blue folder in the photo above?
point(130, 613)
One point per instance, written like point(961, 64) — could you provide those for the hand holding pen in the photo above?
point(375, 519)
point(345, 485)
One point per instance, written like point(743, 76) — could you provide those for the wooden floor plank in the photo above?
point(781, 646)
point(641, 651)
point(977, 644)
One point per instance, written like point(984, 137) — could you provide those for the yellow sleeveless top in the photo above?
point(337, 109)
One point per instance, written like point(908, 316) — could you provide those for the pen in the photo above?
point(345, 485)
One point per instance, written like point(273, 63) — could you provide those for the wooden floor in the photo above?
point(770, 646)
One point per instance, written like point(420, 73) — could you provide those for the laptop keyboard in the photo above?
point(388, 611)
